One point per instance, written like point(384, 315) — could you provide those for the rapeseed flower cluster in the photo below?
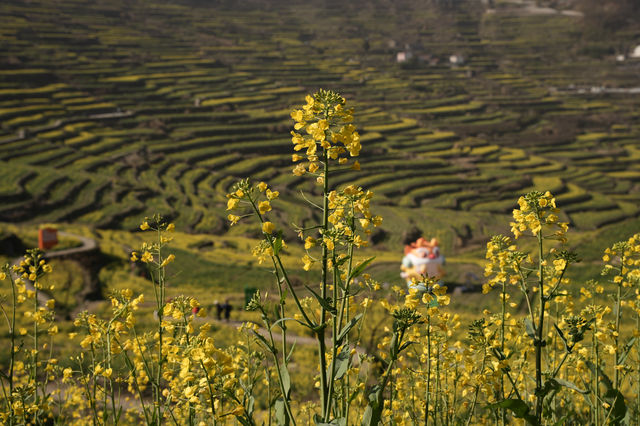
point(535, 211)
point(329, 133)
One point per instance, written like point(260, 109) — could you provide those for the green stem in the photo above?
point(525, 291)
point(283, 326)
point(35, 349)
point(322, 357)
point(334, 344)
point(513, 385)
point(475, 395)
point(160, 308)
point(280, 265)
point(13, 344)
point(132, 371)
point(285, 396)
point(597, 378)
point(503, 416)
point(428, 392)
point(436, 398)
point(90, 396)
point(638, 371)
point(347, 391)
point(210, 386)
point(616, 373)
point(539, 331)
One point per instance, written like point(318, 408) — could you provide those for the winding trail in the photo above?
point(88, 244)
point(529, 8)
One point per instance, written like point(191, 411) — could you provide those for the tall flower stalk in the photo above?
point(325, 142)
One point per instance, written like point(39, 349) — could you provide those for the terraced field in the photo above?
point(114, 110)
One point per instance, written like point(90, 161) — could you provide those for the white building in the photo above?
point(404, 56)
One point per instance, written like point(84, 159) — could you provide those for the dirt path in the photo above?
point(88, 244)
point(529, 8)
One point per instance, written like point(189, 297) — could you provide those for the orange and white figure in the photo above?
point(422, 258)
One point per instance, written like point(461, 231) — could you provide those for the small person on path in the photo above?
point(223, 308)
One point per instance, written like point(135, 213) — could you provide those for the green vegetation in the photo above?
point(552, 346)
point(125, 107)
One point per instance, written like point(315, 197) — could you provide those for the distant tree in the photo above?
point(610, 15)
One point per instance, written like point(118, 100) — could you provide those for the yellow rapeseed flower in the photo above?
point(264, 206)
point(232, 203)
point(309, 242)
point(168, 260)
point(147, 257)
point(328, 243)
point(307, 261)
point(268, 227)
point(299, 170)
point(233, 219)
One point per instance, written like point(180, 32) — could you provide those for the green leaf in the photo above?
point(561, 334)
point(549, 385)
point(250, 405)
point(353, 396)
point(405, 345)
point(497, 352)
point(277, 244)
point(570, 385)
point(529, 328)
point(367, 417)
point(243, 421)
point(342, 261)
point(286, 379)
point(625, 352)
point(325, 303)
point(304, 324)
point(345, 330)
point(359, 269)
point(618, 410)
point(276, 311)
point(606, 381)
point(561, 421)
point(519, 408)
point(373, 413)
point(341, 421)
point(262, 340)
point(433, 303)
point(393, 346)
point(281, 413)
point(343, 360)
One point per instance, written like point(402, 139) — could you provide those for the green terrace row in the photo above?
point(205, 116)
